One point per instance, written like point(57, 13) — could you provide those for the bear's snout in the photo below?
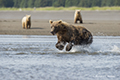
point(53, 33)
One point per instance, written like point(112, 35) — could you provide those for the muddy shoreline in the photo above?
point(100, 23)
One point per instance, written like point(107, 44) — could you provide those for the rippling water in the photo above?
point(33, 57)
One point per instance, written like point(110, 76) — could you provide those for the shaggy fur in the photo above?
point(77, 16)
point(74, 35)
point(26, 22)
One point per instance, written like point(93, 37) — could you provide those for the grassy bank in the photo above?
point(60, 8)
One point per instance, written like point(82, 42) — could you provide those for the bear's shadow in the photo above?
point(85, 23)
point(36, 28)
point(89, 23)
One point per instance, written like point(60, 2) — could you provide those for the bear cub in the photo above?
point(77, 16)
point(26, 22)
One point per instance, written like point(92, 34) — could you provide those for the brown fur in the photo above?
point(74, 35)
point(26, 22)
point(77, 16)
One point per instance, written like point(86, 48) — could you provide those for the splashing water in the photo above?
point(46, 44)
point(101, 45)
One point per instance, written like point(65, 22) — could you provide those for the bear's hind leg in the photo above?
point(80, 20)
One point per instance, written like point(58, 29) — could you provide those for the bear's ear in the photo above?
point(50, 21)
point(29, 15)
point(60, 21)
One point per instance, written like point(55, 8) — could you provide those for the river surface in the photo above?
point(34, 57)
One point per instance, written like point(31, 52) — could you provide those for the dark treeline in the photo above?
point(58, 3)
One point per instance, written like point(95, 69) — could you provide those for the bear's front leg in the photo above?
point(23, 25)
point(29, 25)
point(60, 45)
point(26, 25)
point(69, 46)
point(75, 21)
point(81, 21)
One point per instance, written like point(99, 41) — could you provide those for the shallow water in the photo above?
point(34, 57)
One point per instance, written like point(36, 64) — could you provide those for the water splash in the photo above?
point(103, 45)
point(46, 45)
point(115, 49)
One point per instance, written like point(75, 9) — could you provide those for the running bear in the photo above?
point(74, 35)
point(26, 22)
point(77, 16)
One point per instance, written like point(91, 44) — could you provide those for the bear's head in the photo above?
point(78, 11)
point(57, 26)
point(28, 17)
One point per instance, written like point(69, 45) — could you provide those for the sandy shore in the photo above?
point(103, 23)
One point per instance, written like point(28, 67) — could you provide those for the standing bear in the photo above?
point(74, 35)
point(26, 22)
point(77, 16)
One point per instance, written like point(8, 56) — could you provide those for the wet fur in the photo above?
point(74, 35)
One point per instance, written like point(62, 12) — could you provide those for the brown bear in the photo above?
point(26, 22)
point(77, 16)
point(74, 35)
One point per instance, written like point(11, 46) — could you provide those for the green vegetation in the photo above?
point(61, 8)
point(57, 3)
